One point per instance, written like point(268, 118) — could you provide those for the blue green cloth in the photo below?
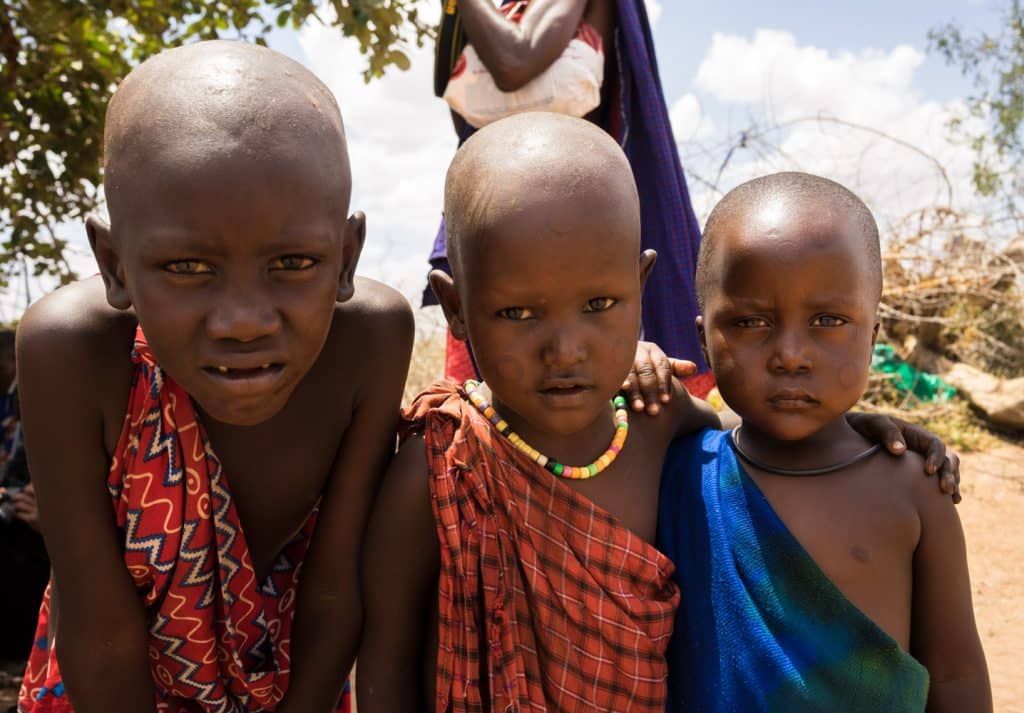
point(760, 627)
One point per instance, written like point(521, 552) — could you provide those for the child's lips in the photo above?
point(564, 394)
point(792, 400)
point(246, 380)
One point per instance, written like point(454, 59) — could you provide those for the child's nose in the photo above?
point(243, 316)
point(564, 347)
point(790, 353)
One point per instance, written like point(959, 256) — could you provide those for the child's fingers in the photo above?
point(681, 368)
point(878, 428)
point(664, 369)
point(935, 457)
point(648, 377)
point(949, 476)
point(631, 388)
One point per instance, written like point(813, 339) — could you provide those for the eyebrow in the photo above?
point(186, 240)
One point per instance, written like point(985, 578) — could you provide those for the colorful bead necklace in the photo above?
point(559, 469)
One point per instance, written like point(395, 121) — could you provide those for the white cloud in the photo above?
point(792, 80)
point(653, 11)
point(689, 123)
point(400, 143)
point(853, 116)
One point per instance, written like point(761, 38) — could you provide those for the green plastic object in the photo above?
point(924, 386)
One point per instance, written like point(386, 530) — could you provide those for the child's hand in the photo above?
point(25, 507)
point(898, 435)
point(649, 383)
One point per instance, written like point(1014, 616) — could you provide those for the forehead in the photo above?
point(571, 244)
point(788, 249)
point(228, 200)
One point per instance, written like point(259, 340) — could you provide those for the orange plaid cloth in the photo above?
point(546, 602)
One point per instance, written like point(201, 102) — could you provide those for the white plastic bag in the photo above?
point(571, 85)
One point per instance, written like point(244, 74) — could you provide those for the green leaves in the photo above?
point(995, 65)
point(59, 64)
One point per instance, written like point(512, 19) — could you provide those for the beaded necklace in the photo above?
point(559, 469)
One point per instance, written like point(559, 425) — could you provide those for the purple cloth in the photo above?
point(670, 227)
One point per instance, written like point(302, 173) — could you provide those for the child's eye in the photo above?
point(828, 320)
point(600, 304)
point(516, 313)
point(752, 322)
point(189, 267)
point(292, 262)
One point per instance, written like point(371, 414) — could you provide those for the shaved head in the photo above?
point(214, 100)
point(776, 198)
point(540, 162)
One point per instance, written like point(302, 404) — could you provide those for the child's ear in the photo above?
point(702, 335)
point(448, 297)
point(111, 269)
point(351, 247)
point(647, 260)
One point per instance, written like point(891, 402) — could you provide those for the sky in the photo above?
point(857, 94)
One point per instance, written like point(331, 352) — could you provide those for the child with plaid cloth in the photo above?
point(500, 573)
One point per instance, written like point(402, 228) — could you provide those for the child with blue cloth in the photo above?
point(819, 573)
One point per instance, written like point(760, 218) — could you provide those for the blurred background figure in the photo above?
point(24, 566)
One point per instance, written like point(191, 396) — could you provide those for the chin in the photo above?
point(783, 429)
point(243, 414)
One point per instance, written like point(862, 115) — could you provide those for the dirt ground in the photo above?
point(993, 517)
point(992, 512)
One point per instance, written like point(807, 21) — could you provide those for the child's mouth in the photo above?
point(568, 395)
point(564, 390)
point(792, 400)
point(243, 373)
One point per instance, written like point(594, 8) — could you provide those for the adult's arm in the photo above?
point(102, 648)
point(515, 53)
point(401, 561)
point(329, 605)
point(943, 633)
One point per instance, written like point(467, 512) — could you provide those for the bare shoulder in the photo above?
point(375, 312)
point(73, 334)
point(685, 414)
point(372, 331)
point(905, 475)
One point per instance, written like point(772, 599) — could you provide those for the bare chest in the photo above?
point(277, 473)
point(628, 489)
point(861, 534)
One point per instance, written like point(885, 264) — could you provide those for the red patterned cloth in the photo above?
point(700, 385)
point(219, 640)
point(546, 602)
point(458, 364)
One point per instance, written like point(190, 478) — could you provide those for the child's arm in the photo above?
point(899, 436)
point(943, 634)
point(653, 383)
point(62, 370)
point(328, 613)
point(401, 562)
point(653, 386)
